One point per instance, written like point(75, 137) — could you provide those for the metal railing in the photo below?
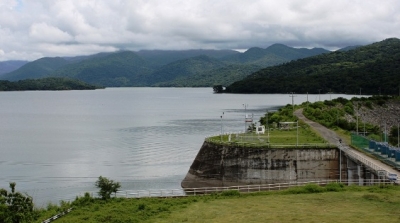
point(257, 141)
point(240, 188)
point(371, 165)
point(209, 190)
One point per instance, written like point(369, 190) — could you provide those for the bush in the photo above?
point(349, 109)
point(368, 104)
point(15, 206)
point(230, 193)
point(307, 189)
point(334, 187)
point(313, 188)
point(107, 187)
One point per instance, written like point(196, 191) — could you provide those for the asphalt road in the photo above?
point(333, 138)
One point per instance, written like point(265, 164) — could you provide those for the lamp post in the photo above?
point(267, 125)
point(292, 100)
point(357, 121)
point(340, 164)
point(319, 94)
point(222, 130)
point(297, 141)
point(245, 116)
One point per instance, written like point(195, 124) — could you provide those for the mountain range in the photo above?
point(372, 69)
point(185, 68)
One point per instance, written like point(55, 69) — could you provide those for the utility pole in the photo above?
point(319, 94)
point(357, 118)
point(297, 141)
point(222, 129)
point(292, 100)
point(245, 116)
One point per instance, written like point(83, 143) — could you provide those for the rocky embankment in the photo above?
point(378, 115)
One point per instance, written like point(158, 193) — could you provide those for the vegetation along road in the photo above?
point(333, 138)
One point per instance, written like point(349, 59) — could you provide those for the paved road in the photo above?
point(333, 138)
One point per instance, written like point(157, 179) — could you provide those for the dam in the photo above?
point(219, 165)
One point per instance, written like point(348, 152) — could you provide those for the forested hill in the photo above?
point(185, 68)
point(373, 69)
point(46, 84)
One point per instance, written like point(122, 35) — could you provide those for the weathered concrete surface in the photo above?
point(221, 165)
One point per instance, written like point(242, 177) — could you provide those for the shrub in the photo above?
point(229, 193)
point(368, 104)
point(334, 187)
point(313, 188)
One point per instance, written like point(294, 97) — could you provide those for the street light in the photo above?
point(319, 93)
point(292, 100)
point(245, 116)
point(267, 128)
point(297, 142)
point(398, 134)
point(222, 130)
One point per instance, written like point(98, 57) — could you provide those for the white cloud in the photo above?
point(75, 27)
point(45, 33)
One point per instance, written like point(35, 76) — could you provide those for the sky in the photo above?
point(31, 29)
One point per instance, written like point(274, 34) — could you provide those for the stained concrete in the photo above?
point(229, 165)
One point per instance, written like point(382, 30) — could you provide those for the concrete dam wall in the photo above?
point(219, 165)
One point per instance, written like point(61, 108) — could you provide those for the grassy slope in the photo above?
point(327, 207)
point(355, 204)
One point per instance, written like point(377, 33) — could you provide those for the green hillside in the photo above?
point(46, 84)
point(164, 57)
point(11, 65)
point(190, 68)
point(373, 68)
point(273, 55)
point(220, 76)
point(184, 68)
point(113, 70)
point(37, 69)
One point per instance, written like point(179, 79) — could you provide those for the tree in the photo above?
point(107, 187)
point(218, 89)
point(16, 207)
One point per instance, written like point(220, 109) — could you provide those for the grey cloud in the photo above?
point(33, 29)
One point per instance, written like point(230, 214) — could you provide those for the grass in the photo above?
point(306, 136)
point(311, 203)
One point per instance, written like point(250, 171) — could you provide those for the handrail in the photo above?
point(241, 188)
point(363, 160)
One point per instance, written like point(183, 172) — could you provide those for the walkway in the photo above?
point(333, 138)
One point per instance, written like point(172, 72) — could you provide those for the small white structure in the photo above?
point(260, 129)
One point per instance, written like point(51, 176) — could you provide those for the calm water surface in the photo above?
point(55, 145)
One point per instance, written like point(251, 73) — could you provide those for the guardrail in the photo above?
point(260, 141)
point(363, 160)
point(57, 216)
point(241, 188)
point(209, 190)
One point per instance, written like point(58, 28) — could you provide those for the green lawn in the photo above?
point(306, 204)
point(274, 138)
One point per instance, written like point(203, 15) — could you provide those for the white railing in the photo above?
point(240, 188)
point(362, 159)
point(260, 141)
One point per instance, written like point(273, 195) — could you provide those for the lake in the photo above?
point(55, 144)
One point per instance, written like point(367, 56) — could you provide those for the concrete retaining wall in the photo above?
point(222, 165)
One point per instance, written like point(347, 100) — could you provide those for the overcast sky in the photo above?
point(31, 29)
